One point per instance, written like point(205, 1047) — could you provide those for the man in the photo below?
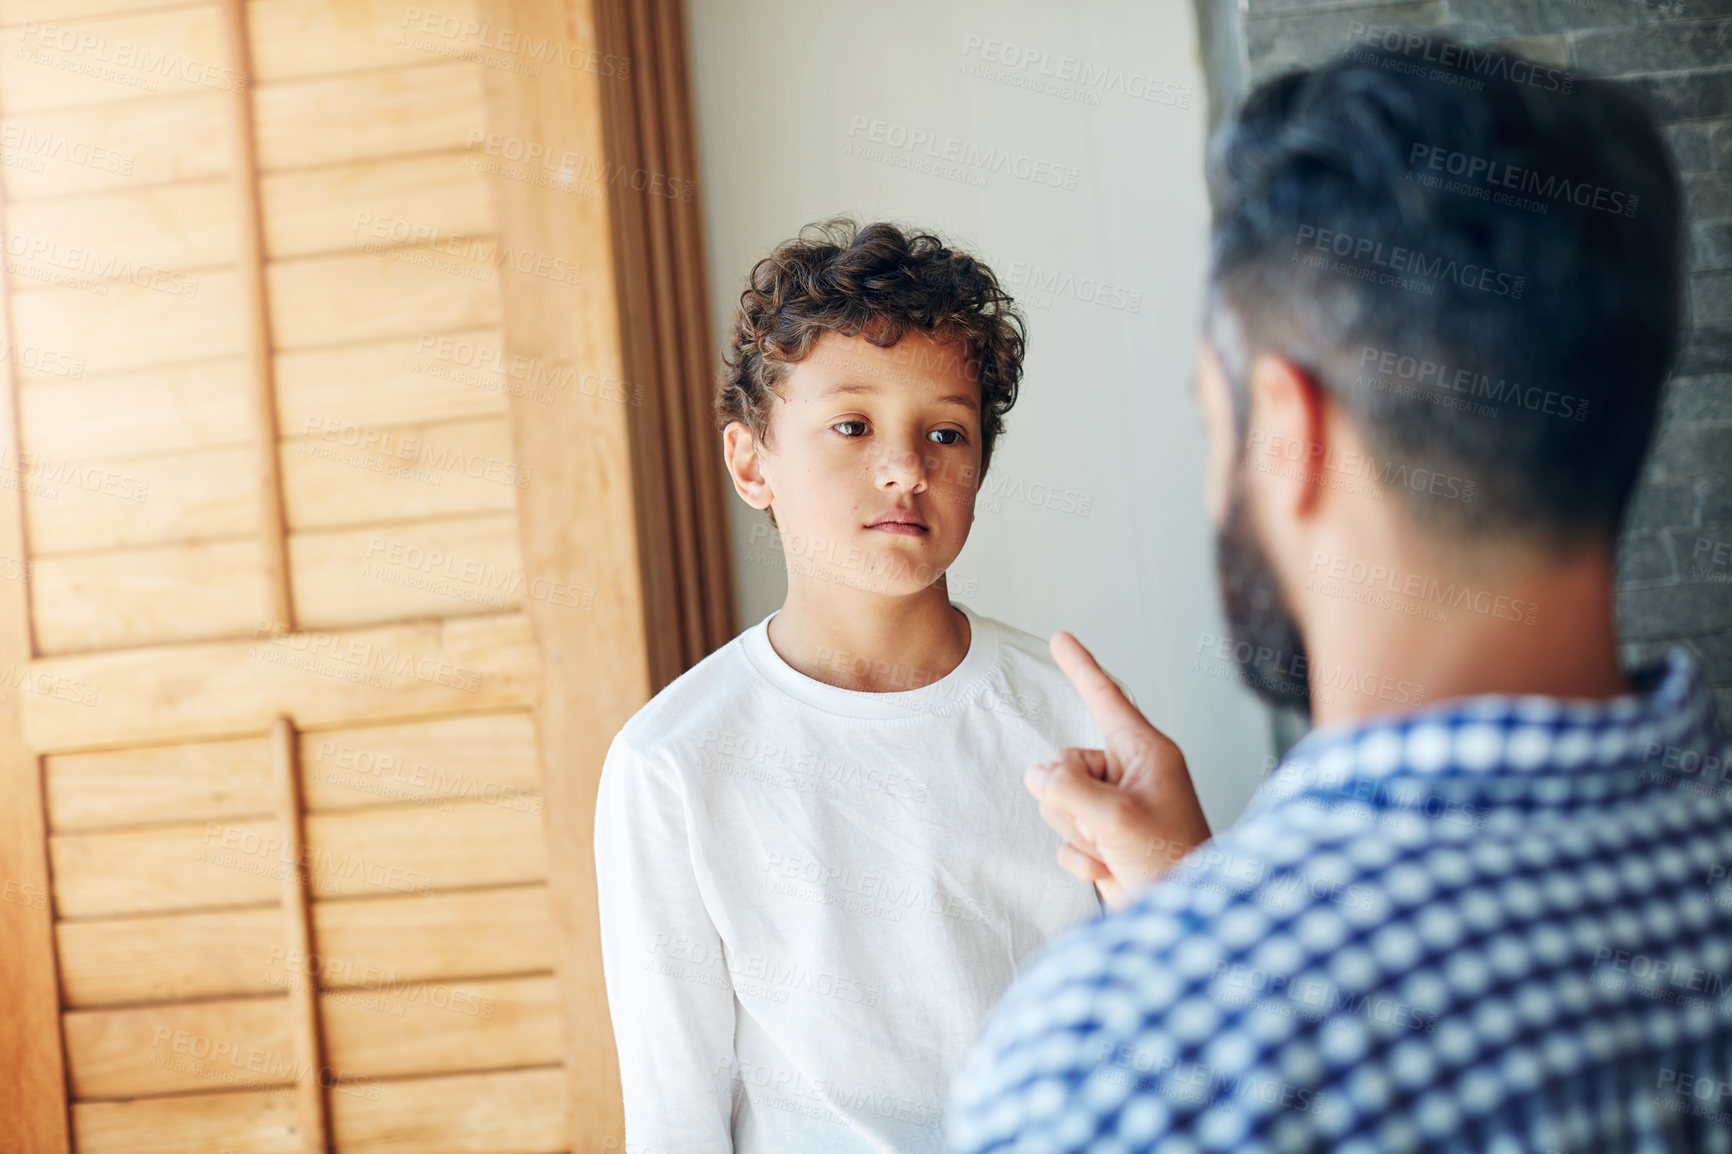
point(1482, 906)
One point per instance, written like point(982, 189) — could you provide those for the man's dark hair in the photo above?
point(1505, 304)
point(878, 282)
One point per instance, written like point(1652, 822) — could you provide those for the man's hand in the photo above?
point(1126, 812)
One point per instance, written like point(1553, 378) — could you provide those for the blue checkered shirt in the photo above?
point(1496, 924)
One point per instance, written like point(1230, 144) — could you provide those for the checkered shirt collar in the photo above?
point(1671, 707)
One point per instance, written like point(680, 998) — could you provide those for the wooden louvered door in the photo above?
point(335, 545)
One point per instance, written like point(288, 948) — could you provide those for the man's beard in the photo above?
point(1267, 647)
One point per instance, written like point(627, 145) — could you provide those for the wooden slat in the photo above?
point(133, 326)
point(192, 405)
point(128, 501)
point(149, 596)
point(14, 12)
point(421, 108)
point(352, 297)
point(172, 957)
point(171, 52)
point(488, 757)
point(164, 868)
point(444, 568)
point(234, 1044)
point(297, 38)
point(324, 210)
point(107, 146)
point(416, 849)
point(520, 1112)
point(170, 226)
point(349, 474)
point(307, 1038)
point(245, 1122)
point(426, 377)
point(32, 1076)
point(459, 934)
point(221, 689)
point(405, 1027)
point(190, 866)
point(206, 781)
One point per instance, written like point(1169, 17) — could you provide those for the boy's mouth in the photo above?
point(907, 524)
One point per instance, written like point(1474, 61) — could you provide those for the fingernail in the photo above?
point(1037, 775)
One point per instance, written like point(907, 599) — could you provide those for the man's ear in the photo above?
point(744, 456)
point(1287, 444)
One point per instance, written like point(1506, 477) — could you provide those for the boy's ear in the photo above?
point(742, 452)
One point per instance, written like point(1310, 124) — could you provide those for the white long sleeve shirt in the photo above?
point(810, 896)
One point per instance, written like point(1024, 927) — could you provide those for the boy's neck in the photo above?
point(868, 641)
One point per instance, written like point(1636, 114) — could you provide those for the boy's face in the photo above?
point(872, 463)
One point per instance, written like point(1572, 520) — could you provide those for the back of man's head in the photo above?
point(1481, 264)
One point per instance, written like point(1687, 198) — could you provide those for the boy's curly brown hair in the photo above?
point(877, 281)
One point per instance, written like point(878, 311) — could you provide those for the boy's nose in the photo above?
point(903, 467)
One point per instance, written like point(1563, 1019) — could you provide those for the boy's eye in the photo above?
point(945, 436)
point(843, 427)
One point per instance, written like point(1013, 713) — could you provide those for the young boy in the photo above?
point(817, 863)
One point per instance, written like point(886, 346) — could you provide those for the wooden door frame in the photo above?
point(628, 495)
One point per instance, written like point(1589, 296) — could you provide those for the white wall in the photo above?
point(783, 89)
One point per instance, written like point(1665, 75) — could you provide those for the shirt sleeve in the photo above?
point(668, 990)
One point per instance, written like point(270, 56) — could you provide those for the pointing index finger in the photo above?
point(1105, 701)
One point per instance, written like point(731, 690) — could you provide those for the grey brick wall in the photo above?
point(1675, 558)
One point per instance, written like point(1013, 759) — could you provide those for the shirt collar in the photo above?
point(1670, 709)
